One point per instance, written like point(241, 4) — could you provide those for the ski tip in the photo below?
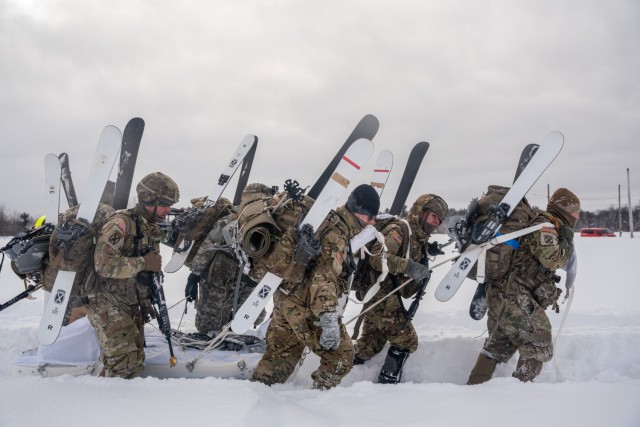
point(250, 139)
point(555, 138)
point(111, 131)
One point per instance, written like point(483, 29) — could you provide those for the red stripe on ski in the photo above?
point(351, 162)
point(381, 170)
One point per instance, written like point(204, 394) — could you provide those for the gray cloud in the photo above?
point(478, 80)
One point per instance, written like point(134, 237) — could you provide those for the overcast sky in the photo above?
point(477, 79)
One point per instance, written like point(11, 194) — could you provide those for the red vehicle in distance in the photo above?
point(596, 232)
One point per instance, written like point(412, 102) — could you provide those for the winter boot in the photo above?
point(527, 369)
point(482, 372)
point(391, 371)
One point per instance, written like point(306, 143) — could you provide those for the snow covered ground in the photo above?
point(598, 358)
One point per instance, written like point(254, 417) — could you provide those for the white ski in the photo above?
point(181, 254)
point(548, 151)
point(103, 161)
point(468, 258)
point(52, 175)
point(382, 170)
point(344, 173)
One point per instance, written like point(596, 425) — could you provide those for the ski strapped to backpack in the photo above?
point(102, 165)
point(67, 182)
point(131, 138)
point(545, 155)
point(245, 171)
point(478, 306)
point(183, 223)
point(367, 128)
point(344, 173)
point(52, 170)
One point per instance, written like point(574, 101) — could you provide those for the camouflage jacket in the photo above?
point(397, 240)
point(320, 289)
point(539, 255)
point(117, 256)
point(213, 243)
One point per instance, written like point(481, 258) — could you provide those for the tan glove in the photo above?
point(153, 261)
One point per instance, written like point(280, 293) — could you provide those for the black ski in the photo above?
point(245, 170)
point(67, 182)
point(408, 177)
point(131, 138)
point(478, 306)
point(367, 128)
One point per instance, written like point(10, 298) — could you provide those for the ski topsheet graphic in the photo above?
point(345, 172)
point(131, 139)
point(382, 170)
point(367, 128)
point(182, 248)
point(545, 155)
point(103, 162)
point(52, 173)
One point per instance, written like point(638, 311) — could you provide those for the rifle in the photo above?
point(413, 308)
point(154, 282)
point(21, 296)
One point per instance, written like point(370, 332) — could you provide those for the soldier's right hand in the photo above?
point(191, 290)
point(153, 261)
point(418, 272)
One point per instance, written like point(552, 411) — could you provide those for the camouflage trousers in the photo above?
point(292, 328)
point(120, 330)
point(216, 294)
point(385, 323)
point(517, 323)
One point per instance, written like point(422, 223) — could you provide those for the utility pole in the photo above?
point(548, 196)
point(619, 213)
point(630, 209)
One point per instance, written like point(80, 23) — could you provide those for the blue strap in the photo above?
point(514, 243)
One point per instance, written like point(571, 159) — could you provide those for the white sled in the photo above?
point(76, 352)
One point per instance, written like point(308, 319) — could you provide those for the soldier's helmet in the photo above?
point(157, 189)
point(562, 204)
point(364, 199)
point(429, 202)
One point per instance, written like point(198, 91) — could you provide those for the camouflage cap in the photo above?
point(565, 200)
point(431, 202)
point(157, 188)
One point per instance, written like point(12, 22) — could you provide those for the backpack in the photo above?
point(71, 251)
point(199, 230)
point(268, 226)
point(499, 258)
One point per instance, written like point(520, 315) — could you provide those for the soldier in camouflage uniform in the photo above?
point(516, 306)
point(215, 268)
point(120, 305)
point(408, 249)
point(305, 313)
point(212, 282)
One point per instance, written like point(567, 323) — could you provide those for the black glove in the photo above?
point(566, 233)
point(418, 272)
point(191, 290)
point(433, 249)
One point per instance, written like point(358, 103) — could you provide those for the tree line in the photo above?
point(12, 223)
